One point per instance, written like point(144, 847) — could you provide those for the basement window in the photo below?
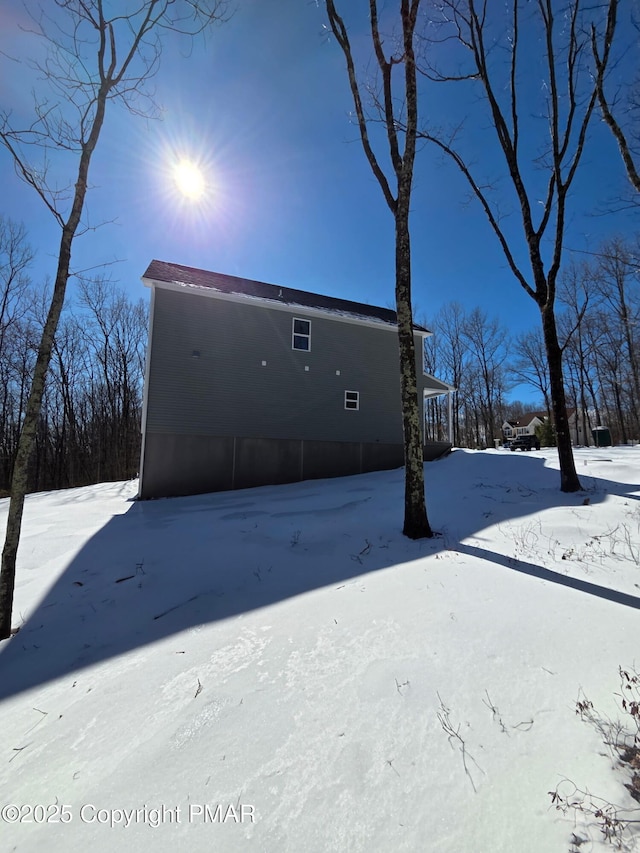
point(301, 334)
point(352, 400)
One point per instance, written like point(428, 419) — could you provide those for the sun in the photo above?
point(189, 179)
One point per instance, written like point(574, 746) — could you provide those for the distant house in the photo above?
point(251, 384)
point(527, 423)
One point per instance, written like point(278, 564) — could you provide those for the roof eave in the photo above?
point(241, 298)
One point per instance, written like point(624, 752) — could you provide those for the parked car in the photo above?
point(525, 442)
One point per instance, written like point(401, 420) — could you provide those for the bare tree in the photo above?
point(530, 364)
point(575, 293)
point(501, 66)
point(15, 300)
point(92, 61)
point(397, 194)
point(599, 329)
point(488, 346)
point(516, 409)
point(615, 281)
point(65, 378)
point(612, 375)
point(448, 325)
point(16, 256)
point(114, 336)
point(433, 415)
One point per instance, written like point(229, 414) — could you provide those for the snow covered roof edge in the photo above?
point(170, 273)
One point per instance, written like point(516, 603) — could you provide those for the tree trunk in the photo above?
point(34, 404)
point(416, 524)
point(27, 439)
point(633, 362)
point(569, 481)
point(620, 413)
point(594, 398)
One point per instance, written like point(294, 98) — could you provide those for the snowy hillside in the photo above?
point(279, 670)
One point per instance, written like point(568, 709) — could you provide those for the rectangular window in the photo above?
point(352, 400)
point(301, 334)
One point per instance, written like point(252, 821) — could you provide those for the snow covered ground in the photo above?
point(280, 670)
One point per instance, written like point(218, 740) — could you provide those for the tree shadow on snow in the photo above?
point(540, 572)
point(169, 565)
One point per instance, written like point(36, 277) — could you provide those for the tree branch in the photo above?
point(601, 64)
point(477, 190)
point(342, 37)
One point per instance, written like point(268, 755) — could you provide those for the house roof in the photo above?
point(436, 387)
point(230, 285)
point(525, 420)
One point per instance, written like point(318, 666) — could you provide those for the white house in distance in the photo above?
point(527, 423)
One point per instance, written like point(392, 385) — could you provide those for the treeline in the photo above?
point(599, 328)
point(89, 429)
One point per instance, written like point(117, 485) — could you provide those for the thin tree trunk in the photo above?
point(28, 434)
point(416, 524)
point(569, 481)
point(27, 440)
point(620, 413)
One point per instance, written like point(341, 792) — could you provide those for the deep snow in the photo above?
point(286, 654)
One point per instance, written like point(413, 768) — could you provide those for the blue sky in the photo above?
point(264, 104)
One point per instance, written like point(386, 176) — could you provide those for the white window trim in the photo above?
point(352, 408)
point(295, 334)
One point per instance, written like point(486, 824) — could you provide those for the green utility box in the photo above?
point(601, 436)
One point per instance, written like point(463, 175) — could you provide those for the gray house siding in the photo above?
point(217, 418)
point(226, 390)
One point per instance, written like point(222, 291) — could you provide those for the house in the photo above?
point(527, 424)
point(251, 384)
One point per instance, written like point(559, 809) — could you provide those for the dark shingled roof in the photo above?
point(230, 284)
point(526, 419)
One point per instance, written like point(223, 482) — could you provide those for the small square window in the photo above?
point(352, 400)
point(301, 334)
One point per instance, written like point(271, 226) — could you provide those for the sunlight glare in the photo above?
point(189, 179)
